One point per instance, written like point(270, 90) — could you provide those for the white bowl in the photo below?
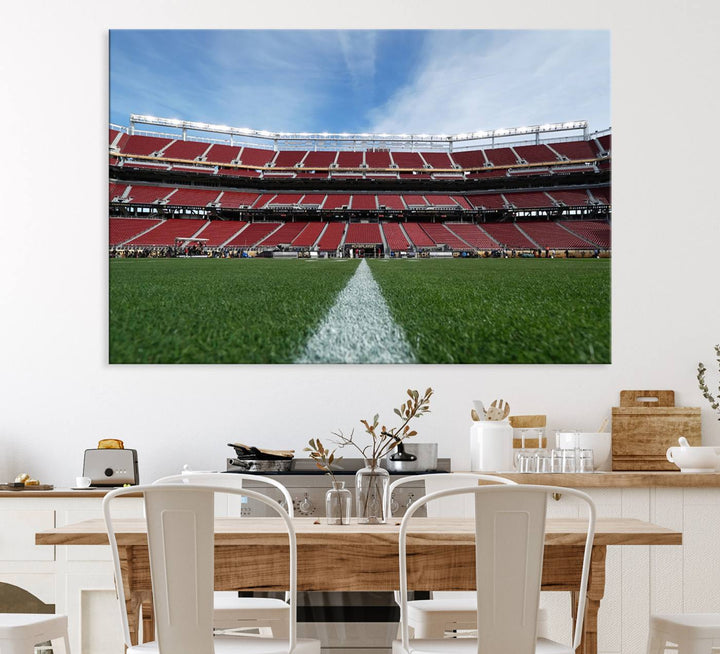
point(695, 459)
point(599, 442)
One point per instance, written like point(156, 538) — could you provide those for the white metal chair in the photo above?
point(445, 611)
point(20, 632)
point(231, 611)
point(509, 545)
point(180, 529)
point(693, 633)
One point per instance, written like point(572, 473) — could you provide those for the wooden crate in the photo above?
point(645, 425)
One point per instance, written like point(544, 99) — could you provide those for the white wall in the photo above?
point(58, 395)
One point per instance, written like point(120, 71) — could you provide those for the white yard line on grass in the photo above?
point(358, 328)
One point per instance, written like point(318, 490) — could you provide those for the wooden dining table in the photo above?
point(251, 554)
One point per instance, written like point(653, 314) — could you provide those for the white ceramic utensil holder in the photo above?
point(491, 446)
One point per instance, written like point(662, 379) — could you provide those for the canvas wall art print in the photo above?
point(361, 196)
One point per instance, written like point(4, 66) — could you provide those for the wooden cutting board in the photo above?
point(45, 487)
point(645, 425)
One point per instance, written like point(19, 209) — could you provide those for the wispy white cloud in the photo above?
point(485, 80)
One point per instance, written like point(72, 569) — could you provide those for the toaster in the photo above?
point(110, 467)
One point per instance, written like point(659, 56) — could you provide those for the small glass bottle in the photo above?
point(338, 501)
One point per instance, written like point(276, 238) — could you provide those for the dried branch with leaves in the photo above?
point(323, 457)
point(714, 400)
point(385, 440)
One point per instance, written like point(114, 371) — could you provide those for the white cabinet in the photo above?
point(78, 580)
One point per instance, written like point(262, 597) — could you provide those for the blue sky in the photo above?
point(409, 81)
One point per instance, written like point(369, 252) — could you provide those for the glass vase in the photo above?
point(338, 501)
point(371, 485)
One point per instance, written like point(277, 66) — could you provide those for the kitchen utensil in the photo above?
point(261, 465)
point(111, 467)
point(603, 425)
point(480, 408)
point(498, 411)
point(474, 415)
point(243, 451)
point(424, 458)
point(645, 425)
point(694, 459)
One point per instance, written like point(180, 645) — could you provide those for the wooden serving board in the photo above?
point(643, 430)
point(44, 487)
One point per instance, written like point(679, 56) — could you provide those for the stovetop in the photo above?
point(345, 467)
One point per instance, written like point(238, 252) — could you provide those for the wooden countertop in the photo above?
point(642, 479)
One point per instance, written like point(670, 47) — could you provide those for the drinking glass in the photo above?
point(568, 460)
point(543, 461)
point(526, 461)
point(585, 461)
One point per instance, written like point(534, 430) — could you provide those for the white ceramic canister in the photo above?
point(491, 446)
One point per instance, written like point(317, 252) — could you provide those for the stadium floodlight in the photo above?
point(334, 139)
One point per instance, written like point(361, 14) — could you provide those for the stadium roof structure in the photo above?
point(328, 140)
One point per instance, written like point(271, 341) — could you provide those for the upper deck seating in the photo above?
point(529, 199)
point(550, 235)
point(571, 198)
point(574, 149)
point(256, 156)
point(415, 201)
point(285, 235)
point(441, 201)
point(394, 236)
point(364, 202)
point(443, 236)
point(185, 150)
point(363, 234)
point(595, 231)
point(438, 159)
point(472, 234)
point(166, 233)
point(252, 234)
point(390, 201)
point(535, 153)
point(263, 202)
point(469, 158)
point(487, 201)
point(143, 145)
point(501, 156)
point(219, 231)
point(602, 195)
point(285, 200)
point(319, 159)
point(407, 159)
point(220, 154)
point(309, 235)
point(418, 236)
point(336, 201)
point(193, 197)
point(378, 159)
point(288, 158)
point(237, 200)
point(464, 204)
point(508, 235)
point(350, 159)
point(148, 194)
point(606, 142)
point(312, 200)
point(116, 190)
point(124, 229)
point(331, 238)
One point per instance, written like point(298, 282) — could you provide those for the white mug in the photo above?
point(82, 482)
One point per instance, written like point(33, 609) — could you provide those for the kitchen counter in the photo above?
point(641, 479)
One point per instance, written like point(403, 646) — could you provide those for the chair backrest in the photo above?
point(443, 480)
point(180, 530)
point(229, 479)
point(509, 545)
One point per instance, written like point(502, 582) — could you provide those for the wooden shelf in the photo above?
point(642, 479)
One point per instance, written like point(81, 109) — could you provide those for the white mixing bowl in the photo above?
point(599, 442)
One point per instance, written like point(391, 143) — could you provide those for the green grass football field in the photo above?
point(451, 311)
